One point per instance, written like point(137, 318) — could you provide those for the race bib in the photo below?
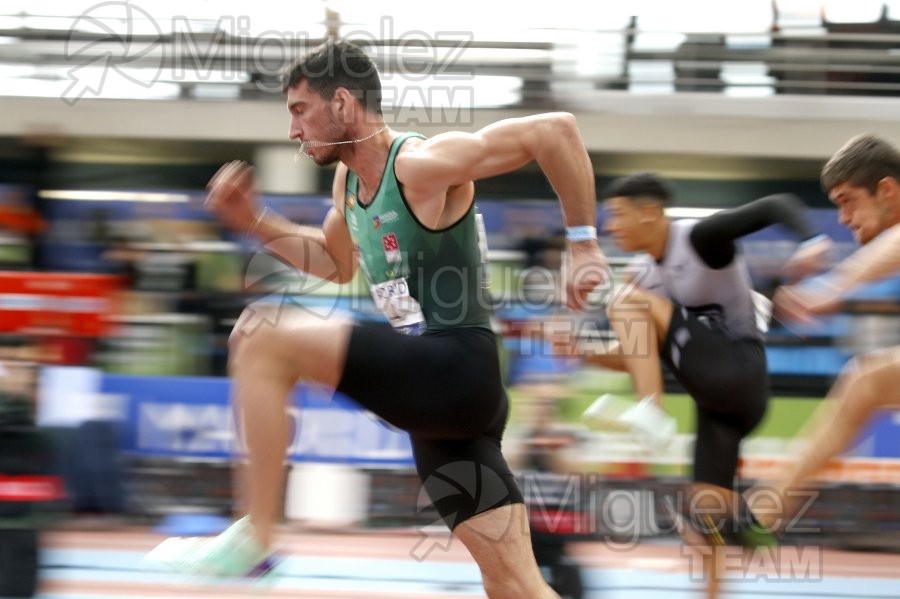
point(392, 298)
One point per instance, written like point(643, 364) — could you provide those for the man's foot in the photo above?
point(700, 526)
point(645, 419)
point(234, 553)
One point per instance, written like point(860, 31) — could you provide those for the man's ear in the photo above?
point(889, 188)
point(649, 212)
point(887, 196)
point(342, 100)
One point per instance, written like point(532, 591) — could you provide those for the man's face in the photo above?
point(623, 223)
point(312, 120)
point(863, 212)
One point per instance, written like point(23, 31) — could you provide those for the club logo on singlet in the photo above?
point(350, 200)
point(383, 219)
point(391, 248)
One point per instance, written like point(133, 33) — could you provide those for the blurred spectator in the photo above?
point(20, 224)
point(18, 380)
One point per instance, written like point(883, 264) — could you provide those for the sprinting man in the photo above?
point(689, 304)
point(404, 213)
point(863, 181)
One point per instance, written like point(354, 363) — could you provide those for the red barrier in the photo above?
point(31, 488)
point(48, 304)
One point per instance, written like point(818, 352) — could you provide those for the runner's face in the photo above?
point(313, 119)
point(861, 211)
point(625, 223)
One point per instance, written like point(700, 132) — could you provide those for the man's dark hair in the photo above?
point(862, 162)
point(338, 64)
point(646, 186)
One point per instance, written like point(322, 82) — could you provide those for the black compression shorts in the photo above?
point(446, 390)
point(729, 381)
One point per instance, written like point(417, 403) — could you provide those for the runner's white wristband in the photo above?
point(583, 233)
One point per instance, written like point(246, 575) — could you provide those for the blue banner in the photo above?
point(191, 417)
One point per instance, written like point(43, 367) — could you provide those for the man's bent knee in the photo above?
point(252, 332)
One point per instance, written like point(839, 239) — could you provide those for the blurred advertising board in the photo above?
point(46, 303)
point(192, 417)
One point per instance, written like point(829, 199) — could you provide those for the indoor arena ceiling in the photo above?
point(484, 54)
